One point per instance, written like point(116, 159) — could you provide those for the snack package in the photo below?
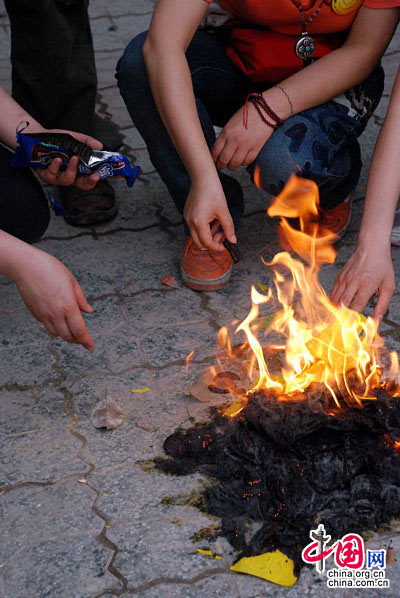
point(37, 150)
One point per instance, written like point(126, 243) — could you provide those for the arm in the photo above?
point(370, 268)
point(12, 114)
point(170, 80)
point(324, 79)
point(48, 289)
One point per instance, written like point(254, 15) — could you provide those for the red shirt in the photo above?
point(283, 16)
point(267, 55)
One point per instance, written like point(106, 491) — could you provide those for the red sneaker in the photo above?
point(205, 270)
point(337, 219)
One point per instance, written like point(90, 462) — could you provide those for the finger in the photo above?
point(349, 292)
point(206, 240)
point(361, 299)
point(250, 158)
point(225, 156)
point(50, 328)
point(195, 237)
point(85, 182)
point(62, 329)
point(49, 174)
point(337, 291)
point(217, 148)
point(78, 330)
point(227, 224)
point(219, 237)
point(84, 138)
point(385, 295)
point(68, 177)
point(237, 159)
point(90, 141)
point(83, 303)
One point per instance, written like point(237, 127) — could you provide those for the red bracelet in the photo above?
point(260, 104)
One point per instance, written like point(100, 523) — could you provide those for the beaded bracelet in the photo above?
point(260, 104)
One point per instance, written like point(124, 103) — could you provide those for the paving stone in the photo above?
point(27, 411)
point(66, 568)
point(61, 510)
point(27, 365)
point(43, 455)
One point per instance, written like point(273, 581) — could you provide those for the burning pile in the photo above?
point(312, 436)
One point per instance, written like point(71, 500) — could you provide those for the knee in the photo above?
point(131, 69)
point(302, 146)
point(27, 217)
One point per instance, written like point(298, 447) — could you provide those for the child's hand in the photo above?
point(53, 296)
point(52, 174)
point(205, 210)
point(366, 272)
point(237, 146)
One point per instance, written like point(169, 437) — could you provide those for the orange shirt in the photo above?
point(283, 16)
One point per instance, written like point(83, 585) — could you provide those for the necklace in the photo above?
point(305, 45)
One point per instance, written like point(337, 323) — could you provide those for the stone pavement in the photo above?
point(80, 515)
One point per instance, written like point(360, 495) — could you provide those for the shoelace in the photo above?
point(189, 245)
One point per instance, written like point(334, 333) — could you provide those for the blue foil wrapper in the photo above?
point(37, 150)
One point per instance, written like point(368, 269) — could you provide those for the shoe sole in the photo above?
point(92, 218)
point(206, 284)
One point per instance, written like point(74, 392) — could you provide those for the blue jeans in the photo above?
point(321, 141)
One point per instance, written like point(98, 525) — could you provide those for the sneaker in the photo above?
point(205, 270)
point(337, 219)
point(395, 236)
point(83, 208)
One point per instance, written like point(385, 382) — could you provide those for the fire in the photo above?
point(317, 342)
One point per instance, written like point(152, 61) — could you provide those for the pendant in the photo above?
point(304, 47)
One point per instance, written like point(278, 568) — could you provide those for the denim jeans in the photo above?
point(321, 143)
point(24, 209)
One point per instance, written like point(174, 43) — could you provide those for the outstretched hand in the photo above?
point(54, 297)
point(366, 273)
point(53, 176)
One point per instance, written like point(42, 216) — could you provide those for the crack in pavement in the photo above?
point(165, 580)
point(101, 538)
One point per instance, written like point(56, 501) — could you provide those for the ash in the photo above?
point(279, 468)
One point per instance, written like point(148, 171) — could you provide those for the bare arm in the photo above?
point(370, 268)
point(172, 28)
point(345, 67)
point(11, 115)
point(49, 290)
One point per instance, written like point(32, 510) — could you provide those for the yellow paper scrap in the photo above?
point(236, 407)
point(273, 566)
point(141, 390)
point(262, 287)
point(209, 553)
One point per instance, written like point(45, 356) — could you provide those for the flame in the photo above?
point(188, 358)
point(318, 342)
